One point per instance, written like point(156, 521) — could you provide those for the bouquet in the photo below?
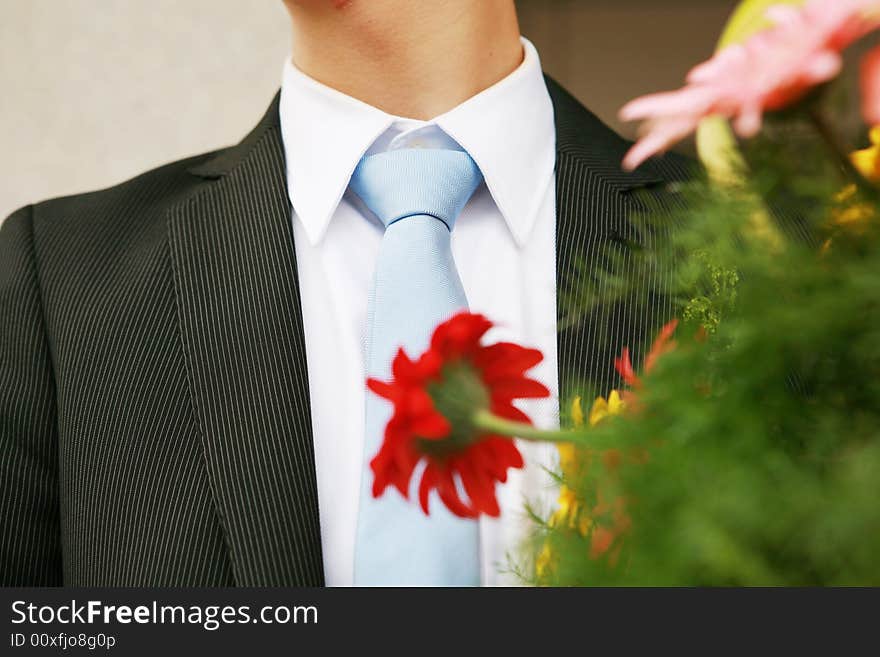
point(745, 448)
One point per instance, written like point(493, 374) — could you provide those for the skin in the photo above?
point(415, 59)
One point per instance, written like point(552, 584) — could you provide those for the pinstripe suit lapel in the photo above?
point(593, 206)
point(240, 318)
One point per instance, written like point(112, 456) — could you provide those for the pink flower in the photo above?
point(773, 69)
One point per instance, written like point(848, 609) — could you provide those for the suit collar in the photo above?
point(581, 136)
point(238, 303)
point(222, 162)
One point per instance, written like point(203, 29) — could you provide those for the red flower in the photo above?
point(870, 82)
point(662, 344)
point(435, 399)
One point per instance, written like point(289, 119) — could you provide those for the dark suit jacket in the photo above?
point(154, 403)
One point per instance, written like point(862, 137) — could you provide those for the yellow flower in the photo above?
point(544, 562)
point(571, 458)
point(602, 408)
point(867, 160)
point(568, 453)
point(850, 213)
point(570, 511)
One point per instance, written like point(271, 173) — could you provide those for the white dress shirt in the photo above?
point(504, 249)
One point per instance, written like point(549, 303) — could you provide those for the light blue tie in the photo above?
point(417, 194)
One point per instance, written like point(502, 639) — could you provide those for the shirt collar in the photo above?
point(508, 130)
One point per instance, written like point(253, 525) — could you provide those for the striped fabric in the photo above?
point(595, 201)
point(154, 407)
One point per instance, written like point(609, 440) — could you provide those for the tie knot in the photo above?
point(410, 182)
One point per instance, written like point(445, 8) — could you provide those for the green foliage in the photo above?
point(764, 435)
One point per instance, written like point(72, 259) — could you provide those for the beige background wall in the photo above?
point(94, 91)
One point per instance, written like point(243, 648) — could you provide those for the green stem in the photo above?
point(829, 136)
point(488, 422)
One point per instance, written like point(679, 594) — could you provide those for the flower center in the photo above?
point(457, 395)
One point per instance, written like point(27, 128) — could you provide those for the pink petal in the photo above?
point(729, 58)
point(784, 14)
point(748, 123)
point(688, 100)
point(660, 136)
point(822, 67)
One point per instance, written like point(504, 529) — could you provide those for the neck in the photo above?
point(411, 59)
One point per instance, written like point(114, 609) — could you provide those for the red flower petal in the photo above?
point(415, 402)
point(522, 388)
point(432, 426)
point(503, 408)
point(624, 367)
point(386, 390)
point(390, 470)
point(403, 369)
point(445, 486)
point(495, 455)
point(429, 365)
point(460, 335)
point(506, 359)
point(479, 486)
point(662, 344)
point(425, 487)
point(870, 83)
